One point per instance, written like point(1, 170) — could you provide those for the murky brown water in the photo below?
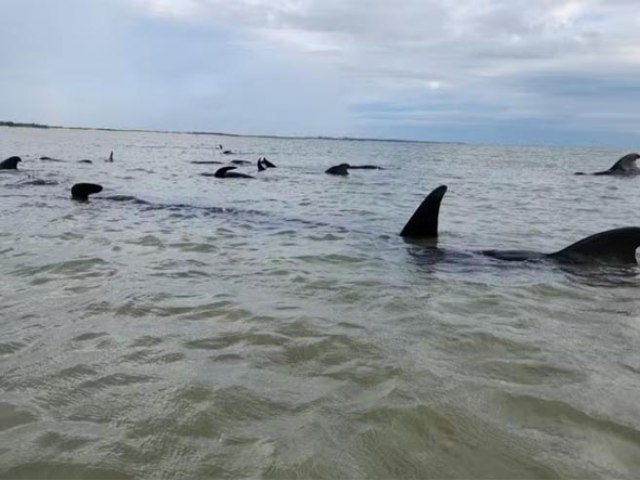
point(180, 326)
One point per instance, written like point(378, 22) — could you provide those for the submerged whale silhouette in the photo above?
point(625, 166)
point(617, 246)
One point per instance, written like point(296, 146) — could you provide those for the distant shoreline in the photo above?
point(286, 137)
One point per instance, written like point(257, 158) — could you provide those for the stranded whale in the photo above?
point(10, 163)
point(616, 246)
point(625, 166)
point(342, 169)
point(225, 172)
point(81, 191)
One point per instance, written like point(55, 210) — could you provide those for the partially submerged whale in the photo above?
point(261, 167)
point(625, 166)
point(342, 169)
point(617, 246)
point(225, 172)
point(240, 162)
point(10, 163)
point(81, 191)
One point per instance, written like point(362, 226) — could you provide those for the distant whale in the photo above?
point(81, 191)
point(342, 169)
point(206, 162)
point(225, 172)
point(240, 162)
point(626, 166)
point(10, 163)
point(85, 161)
point(617, 246)
point(110, 158)
point(49, 159)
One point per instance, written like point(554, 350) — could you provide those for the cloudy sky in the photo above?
point(555, 72)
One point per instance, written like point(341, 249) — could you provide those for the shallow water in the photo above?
point(182, 326)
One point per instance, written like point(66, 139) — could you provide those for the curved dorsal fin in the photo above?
point(612, 246)
point(424, 221)
point(221, 172)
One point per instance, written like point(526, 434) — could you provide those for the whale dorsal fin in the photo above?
point(613, 246)
point(424, 221)
point(221, 172)
point(628, 162)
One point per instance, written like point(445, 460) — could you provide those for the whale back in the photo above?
point(81, 191)
point(424, 221)
point(221, 172)
point(617, 246)
point(10, 163)
point(626, 163)
point(342, 169)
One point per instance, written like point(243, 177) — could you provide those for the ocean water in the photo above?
point(183, 326)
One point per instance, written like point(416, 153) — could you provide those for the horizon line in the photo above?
point(12, 124)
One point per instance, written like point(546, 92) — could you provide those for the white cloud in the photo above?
point(488, 55)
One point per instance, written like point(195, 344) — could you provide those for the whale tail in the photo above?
point(81, 191)
point(424, 221)
point(617, 246)
point(267, 163)
point(261, 166)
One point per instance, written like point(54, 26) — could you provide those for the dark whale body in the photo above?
point(225, 172)
point(81, 191)
point(10, 163)
point(206, 162)
point(626, 166)
point(617, 246)
point(342, 169)
point(240, 162)
point(85, 161)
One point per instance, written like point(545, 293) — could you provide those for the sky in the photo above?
point(539, 72)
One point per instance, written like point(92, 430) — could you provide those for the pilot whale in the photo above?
point(626, 166)
point(617, 246)
point(81, 191)
point(10, 163)
point(225, 172)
